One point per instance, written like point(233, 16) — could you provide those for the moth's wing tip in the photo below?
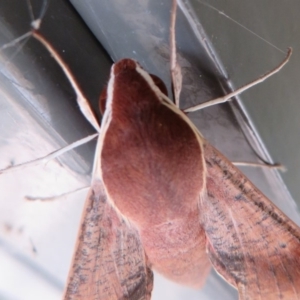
point(109, 260)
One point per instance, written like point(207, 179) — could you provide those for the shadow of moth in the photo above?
point(163, 198)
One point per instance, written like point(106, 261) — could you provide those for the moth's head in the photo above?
point(126, 65)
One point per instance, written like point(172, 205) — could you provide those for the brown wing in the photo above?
point(250, 242)
point(109, 262)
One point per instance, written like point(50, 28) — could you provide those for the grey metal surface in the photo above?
point(39, 114)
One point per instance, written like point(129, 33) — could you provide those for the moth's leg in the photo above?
point(263, 164)
point(242, 89)
point(81, 100)
point(51, 155)
point(228, 97)
point(57, 197)
point(174, 66)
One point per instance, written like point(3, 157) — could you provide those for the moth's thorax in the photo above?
point(151, 159)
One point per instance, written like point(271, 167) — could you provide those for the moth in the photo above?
point(166, 199)
point(162, 197)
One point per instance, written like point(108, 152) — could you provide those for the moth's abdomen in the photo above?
point(152, 169)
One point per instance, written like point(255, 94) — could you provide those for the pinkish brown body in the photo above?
point(145, 161)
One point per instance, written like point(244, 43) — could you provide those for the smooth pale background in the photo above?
point(39, 114)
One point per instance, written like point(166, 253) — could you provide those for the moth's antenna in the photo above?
point(175, 68)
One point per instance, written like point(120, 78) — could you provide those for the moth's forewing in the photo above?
point(109, 262)
point(250, 242)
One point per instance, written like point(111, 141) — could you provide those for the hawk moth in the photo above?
point(132, 234)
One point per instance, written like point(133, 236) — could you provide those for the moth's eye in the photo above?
point(160, 84)
point(102, 100)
